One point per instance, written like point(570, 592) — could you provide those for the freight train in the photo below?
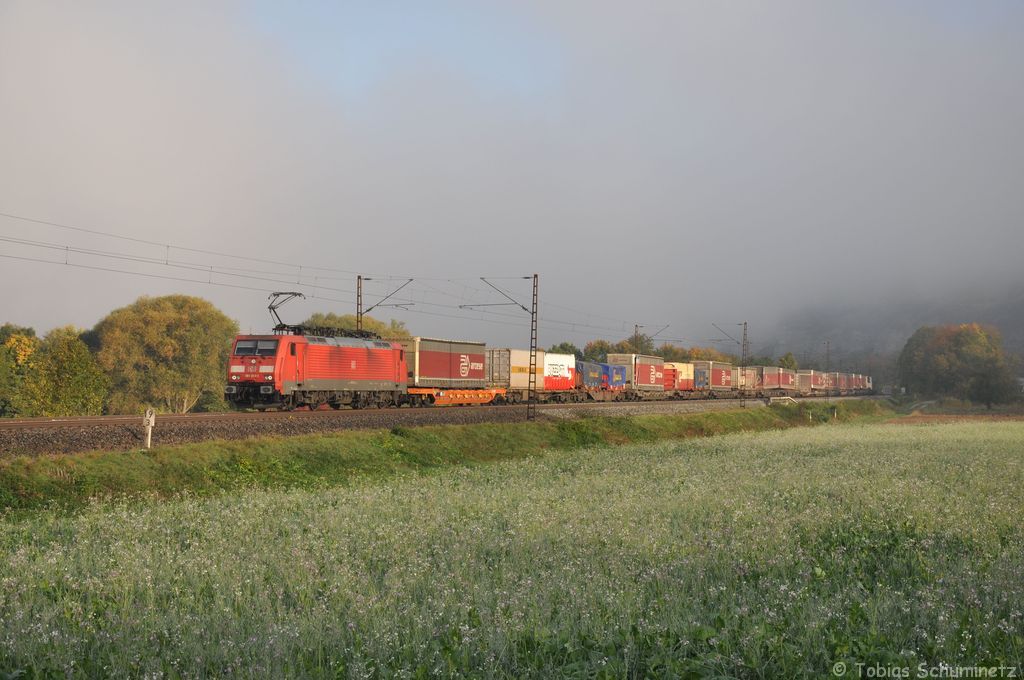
point(312, 368)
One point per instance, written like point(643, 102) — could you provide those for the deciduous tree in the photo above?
point(670, 352)
point(965, 361)
point(8, 382)
point(566, 348)
point(9, 329)
point(711, 354)
point(16, 349)
point(62, 378)
point(164, 352)
point(636, 344)
point(391, 329)
point(22, 347)
point(597, 350)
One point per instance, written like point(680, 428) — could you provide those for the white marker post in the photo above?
point(149, 421)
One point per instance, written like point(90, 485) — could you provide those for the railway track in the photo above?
point(75, 422)
point(39, 436)
point(115, 421)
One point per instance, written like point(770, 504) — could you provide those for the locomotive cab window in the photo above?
point(291, 349)
point(262, 348)
point(266, 348)
point(244, 347)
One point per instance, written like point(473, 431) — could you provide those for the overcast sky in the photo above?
point(655, 162)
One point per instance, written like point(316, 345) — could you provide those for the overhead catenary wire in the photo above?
point(123, 271)
point(232, 272)
point(166, 246)
point(567, 326)
point(236, 286)
point(157, 261)
point(570, 328)
point(167, 261)
point(481, 316)
point(247, 258)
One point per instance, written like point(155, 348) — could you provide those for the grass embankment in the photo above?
point(755, 555)
point(340, 458)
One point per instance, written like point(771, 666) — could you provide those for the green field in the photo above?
point(770, 554)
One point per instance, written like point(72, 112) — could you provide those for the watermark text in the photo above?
point(922, 670)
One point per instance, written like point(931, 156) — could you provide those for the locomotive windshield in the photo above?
point(259, 348)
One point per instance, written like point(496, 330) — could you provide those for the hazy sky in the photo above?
point(655, 162)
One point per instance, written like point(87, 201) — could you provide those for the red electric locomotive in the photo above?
point(288, 371)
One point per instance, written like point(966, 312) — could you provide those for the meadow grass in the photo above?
point(751, 555)
point(951, 406)
point(339, 458)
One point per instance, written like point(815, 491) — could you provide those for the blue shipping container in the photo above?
point(590, 374)
point(616, 375)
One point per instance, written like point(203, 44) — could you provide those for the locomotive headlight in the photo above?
point(234, 377)
point(270, 377)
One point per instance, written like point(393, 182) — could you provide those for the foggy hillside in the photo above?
point(882, 327)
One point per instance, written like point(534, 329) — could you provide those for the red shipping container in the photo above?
point(788, 379)
point(671, 377)
point(684, 375)
point(776, 378)
point(721, 376)
point(650, 372)
point(750, 379)
point(812, 381)
point(445, 363)
point(835, 380)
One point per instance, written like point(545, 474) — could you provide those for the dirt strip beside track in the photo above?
point(924, 419)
